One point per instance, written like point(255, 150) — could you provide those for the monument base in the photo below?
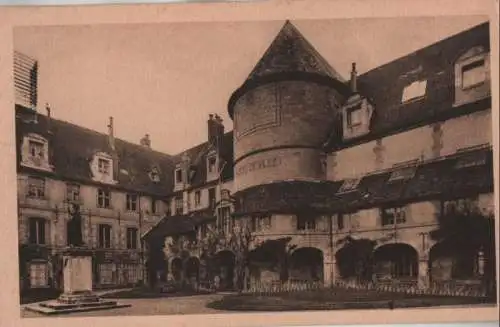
point(78, 295)
point(62, 307)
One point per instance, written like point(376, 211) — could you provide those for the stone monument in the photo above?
point(77, 293)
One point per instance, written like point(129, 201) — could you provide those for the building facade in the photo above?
point(325, 163)
point(318, 162)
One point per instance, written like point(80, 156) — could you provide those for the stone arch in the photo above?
point(306, 264)
point(395, 261)
point(225, 261)
point(446, 263)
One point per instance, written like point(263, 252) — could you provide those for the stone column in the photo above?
point(423, 273)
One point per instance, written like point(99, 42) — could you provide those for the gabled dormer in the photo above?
point(472, 76)
point(357, 112)
point(154, 174)
point(35, 152)
point(102, 168)
point(212, 165)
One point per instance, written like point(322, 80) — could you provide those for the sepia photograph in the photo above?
point(258, 166)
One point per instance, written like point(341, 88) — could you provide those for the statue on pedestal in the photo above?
point(75, 238)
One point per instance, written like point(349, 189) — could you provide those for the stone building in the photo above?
point(118, 187)
point(321, 162)
point(315, 160)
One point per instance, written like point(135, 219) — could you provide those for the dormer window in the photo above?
point(349, 185)
point(473, 74)
point(154, 175)
point(212, 164)
point(212, 169)
point(354, 116)
point(35, 152)
point(414, 91)
point(102, 168)
point(178, 176)
point(357, 115)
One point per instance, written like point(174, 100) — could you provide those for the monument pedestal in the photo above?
point(77, 280)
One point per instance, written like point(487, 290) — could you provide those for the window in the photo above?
point(306, 222)
point(154, 174)
point(36, 187)
point(414, 91)
point(178, 175)
point(155, 206)
point(212, 161)
point(340, 222)
point(103, 166)
point(131, 238)
point(103, 198)
point(39, 274)
point(37, 231)
point(72, 192)
point(393, 216)
point(197, 198)
point(211, 197)
point(168, 208)
point(349, 185)
point(260, 223)
point(354, 116)
point(104, 237)
point(131, 204)
point(36, 150)
point(179, 206)
point(224, 215)
point(473, 74)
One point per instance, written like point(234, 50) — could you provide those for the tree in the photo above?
point(466, 229)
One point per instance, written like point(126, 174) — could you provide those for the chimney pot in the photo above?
point(353, 81)
point(47, 108)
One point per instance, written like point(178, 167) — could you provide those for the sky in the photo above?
point(165, 79)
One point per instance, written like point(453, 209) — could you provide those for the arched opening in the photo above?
point(306, 264)
point(176, 269)
point(396, 261)
point(354, 260)
point(192, 269)
point(225, 262)
point(446, 263)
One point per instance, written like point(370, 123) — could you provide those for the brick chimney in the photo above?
point(354, 77)
point(146, 141)
point(215, 128)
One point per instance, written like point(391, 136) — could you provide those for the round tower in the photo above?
point(283, 114)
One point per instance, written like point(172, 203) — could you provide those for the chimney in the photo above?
point(354, 75)
point(111, 134)
point(146, 141)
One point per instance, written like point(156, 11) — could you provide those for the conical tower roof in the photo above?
point(291, 52)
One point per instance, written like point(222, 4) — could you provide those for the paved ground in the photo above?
point(195, 304)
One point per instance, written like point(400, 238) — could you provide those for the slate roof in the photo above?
point(72, 147)
point(435, 179)
point(198, 155)
point(384, 85)
point(291, 52)
point(176, 225)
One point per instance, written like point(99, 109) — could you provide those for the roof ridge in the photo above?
point(86, 129)
point(425, 48)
